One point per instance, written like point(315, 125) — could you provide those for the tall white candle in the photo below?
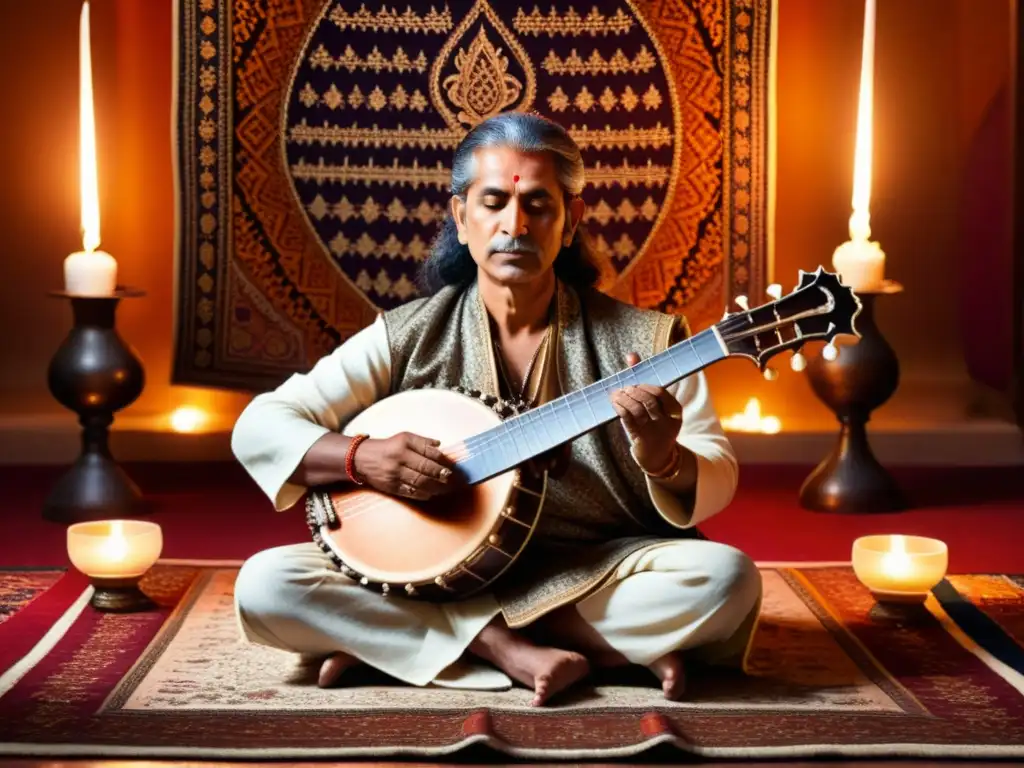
point(859, 261)
point(89, 272)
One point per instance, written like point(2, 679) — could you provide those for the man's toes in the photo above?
point(673, 687)
point(540, 692)
point(671, 670)
point(332, 669)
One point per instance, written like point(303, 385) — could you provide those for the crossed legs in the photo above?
point(665, 600)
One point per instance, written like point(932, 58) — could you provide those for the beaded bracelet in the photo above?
point(350, 460)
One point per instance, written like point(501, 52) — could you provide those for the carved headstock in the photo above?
point(820, 307)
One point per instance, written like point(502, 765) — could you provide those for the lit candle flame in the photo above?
point(115, 547)
point(860, 221)
point(860, 261)
point(87, 140)
point(751, 420)
point(896, 562)
point(187, 418)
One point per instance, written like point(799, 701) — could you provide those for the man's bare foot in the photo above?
point(672, 673)
point(333, 666)
point(548, 671)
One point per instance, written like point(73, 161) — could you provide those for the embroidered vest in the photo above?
point(601, 501)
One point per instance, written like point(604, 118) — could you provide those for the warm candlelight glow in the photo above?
point(87, 138)
point(89, 272)
point(751, 420)
point(861, 262)
point(114, 548)
point(187, 418)
point(896, 562)
point(860, 221)
point(898, 567)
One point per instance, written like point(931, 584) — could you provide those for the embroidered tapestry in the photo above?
point(314, 142)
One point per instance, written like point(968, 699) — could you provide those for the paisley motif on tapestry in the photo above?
point(315, 140)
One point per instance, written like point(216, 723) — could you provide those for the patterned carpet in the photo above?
point(831, 675)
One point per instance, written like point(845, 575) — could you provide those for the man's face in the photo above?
point(514, 219)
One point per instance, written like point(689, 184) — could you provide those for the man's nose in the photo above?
point(514, 220)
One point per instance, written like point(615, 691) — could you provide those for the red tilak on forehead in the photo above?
point(515, 179)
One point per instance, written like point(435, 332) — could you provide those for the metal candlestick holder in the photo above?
point(95, 373)
point(119, 596)
point(859, 380)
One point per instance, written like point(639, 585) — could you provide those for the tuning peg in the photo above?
point(830, 352)
point(742, 301)
point(775, 291)
point(770, 374)
point(798, 362)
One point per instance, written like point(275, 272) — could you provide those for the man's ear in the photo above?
point(576, 210)
point(458, 209)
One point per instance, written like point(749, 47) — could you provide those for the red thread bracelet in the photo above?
point(350, 460)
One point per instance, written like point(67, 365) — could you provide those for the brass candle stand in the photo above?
point(862, 378)
point(94, 373)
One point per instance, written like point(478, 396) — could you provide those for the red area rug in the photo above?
point(216, 511)
point(831, 675)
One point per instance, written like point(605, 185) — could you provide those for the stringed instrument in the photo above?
point(452, 546)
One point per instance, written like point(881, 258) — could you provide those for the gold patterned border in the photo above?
point(414, 175)
point(748, 226)
point(416, 249)
point(372, 136)
point(595, 64)
point(370, 211)
point(202, 160)
point(383, 285)
point(376, 100)
point(571, 24)
point(375, 61)
point(439, 138)
point(621, 138)
point(385, 20)
point(584, 100)
point(602, 213)
point(623, 174)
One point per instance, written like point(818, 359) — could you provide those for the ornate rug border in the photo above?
point(822, 750)
point(652, 728)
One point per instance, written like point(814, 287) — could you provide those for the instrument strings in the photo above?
point(478, 444)
point(487, 441)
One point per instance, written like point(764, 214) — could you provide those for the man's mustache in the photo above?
point(505, 244)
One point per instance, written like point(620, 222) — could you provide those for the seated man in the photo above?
point(615, 572)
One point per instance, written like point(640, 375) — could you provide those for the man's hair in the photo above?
point(450, 262)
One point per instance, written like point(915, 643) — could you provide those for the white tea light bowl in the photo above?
point(900, 568)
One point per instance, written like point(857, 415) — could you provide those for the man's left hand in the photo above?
point(652, 418)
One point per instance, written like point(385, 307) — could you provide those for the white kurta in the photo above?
point(672, 596)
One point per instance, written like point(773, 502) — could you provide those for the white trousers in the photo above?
point(679, 595)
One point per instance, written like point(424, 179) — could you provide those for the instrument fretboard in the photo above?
point(540, 429)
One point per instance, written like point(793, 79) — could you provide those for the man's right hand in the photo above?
point(405, 465)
